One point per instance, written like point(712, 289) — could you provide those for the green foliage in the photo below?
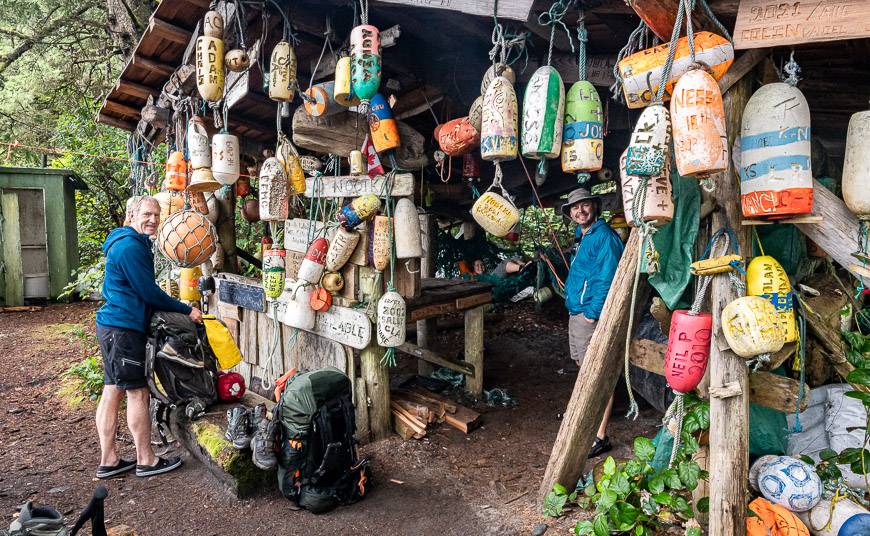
point(632, 497)
point(87, 281)
point(89, 371)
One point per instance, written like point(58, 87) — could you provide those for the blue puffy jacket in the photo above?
point(129, 288)
point(592, 269)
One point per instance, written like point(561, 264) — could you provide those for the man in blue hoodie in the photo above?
point(598, 249)
point(131, 296)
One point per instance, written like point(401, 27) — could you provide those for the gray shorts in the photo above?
point(579, 334)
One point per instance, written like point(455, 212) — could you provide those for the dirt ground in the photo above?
point(449, 483)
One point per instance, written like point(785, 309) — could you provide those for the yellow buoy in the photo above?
point(209, 56)
point(343, 90)
point(495, 213)
point(766, 278)
point(282, 72)
point(751, 327)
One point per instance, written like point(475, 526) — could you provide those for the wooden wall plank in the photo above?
point(14, 275)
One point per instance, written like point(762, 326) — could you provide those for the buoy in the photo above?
point(457, 136)
point(841, 518)
point(323, 104)
point(225, 158)
point(543, 114)
point(273, 191)
point(856, 165)
point(311, 268)
point(176, 172)
point(769, 519)
point(187, 238)
point(499, 69)
point(282, 72)
point(340, 249)
point(751, 327)
point(243, 186)
point(688, 350)
point(265, 243)
point(381, 242)
point(209, 56)
point(365, 72)
point(470, 166)
point(649, 147)
point(391, 320)
point(273, 271)
point(409, 242)
point(775, 171)
point(658, 203)
point(698, 122)
point(310, 164)
point(296, 308)
point(289, 158)
point(766, 278)
point(169, 286)
point(360, 255)
point(332, 281)
point(202, 181)
point(358, 164)
point(498, 131)
point(382, 125)
point(790, 483)
point(343, 89)
point(188, 286)
point(642, 71)
point(359, 210)
point(320, 300)
point(251, 210)
point(495, 213)
point(170, 201)
point(198, 144)
point(237, 60)
point(475, 113)
point(583, 134)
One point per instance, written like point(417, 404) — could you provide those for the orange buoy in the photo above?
point(176, 172)
point(698, 124)
point(321, 299)
point(187, 238)
point(322, 104)
point(243, 186)
point(688, 349)
point(457, 136)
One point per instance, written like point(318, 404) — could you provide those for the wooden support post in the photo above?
point(426, 328)
point(14, 274)
point(425, 335)
point(474, 350)
point(226, 228)
point(377, 377)
point(596, 380)
point(729, 417)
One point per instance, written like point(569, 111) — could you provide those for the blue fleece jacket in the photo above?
point(592, 269)
point(129, 288)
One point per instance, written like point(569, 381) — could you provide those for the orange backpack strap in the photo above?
point(281, 382)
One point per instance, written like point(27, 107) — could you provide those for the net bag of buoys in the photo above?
point(187, 238)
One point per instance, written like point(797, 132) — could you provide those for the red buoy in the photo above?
point(688, 350)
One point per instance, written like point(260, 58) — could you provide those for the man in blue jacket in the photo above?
point(593, 266)
point(131, 296)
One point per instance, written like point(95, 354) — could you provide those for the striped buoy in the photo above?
point(382, 125)
point(698, 119)
point(543, 114)
point(311, 268)
point(776, 176)
point(322, 103)
point(583, 134)
point(273, 271)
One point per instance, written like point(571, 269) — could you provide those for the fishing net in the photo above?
point(187, 238)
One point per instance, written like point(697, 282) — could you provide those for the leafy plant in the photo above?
point(88, 280)
point(89, 371)
point(556, 500)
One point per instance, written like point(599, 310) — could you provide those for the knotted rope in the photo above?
point(555, 17)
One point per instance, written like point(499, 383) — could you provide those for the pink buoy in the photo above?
point(688, 350)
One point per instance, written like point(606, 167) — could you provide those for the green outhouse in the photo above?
point(38, 235)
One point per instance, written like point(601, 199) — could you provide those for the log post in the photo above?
point(729, 417)
point(597, 379)
point(474, 350)
point(226, 228)
point(376, 376)
point(426, 327)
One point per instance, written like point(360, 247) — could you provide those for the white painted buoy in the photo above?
point(407, 227)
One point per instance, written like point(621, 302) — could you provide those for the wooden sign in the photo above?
point(244, 295)
point(356, 185)
point(237, 87)
point(298, 234)
point(769, 23)
point(507, 9)
point(344, 325)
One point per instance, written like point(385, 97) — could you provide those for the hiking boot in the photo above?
point(263, 442)
point(40, 521)
point(238, 425)
point(163, 465)
point(600, 446)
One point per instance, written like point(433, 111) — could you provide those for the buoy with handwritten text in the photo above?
point(698, 121)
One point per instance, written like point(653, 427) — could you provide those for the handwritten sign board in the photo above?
point(343, 325)
point(297, 232)
point(357, 185)
point(244, 295)
point(507, 9)
point(770, 23)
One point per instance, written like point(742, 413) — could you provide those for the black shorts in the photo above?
point(123, 357)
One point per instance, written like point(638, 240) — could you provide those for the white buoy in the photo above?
point(391, 320)
point(274, 198)
point(407, 226)
point(225, 158)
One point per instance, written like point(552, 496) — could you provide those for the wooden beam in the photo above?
point(474, 349)
point(766, 389)
point(837, 233)
point(136, 90)
point(596, 380)
point(123, 109)
point(431, 357)
point(831, 340)
point(14, 273)
point(377, 377)
point(729, 417)
point(741, 66)
point(115, 122)
point(169, 31)
point(158, 67)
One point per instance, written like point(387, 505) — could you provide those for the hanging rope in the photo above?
point(582, 39)
point(802, 352)
point(672, 48)
point(635, 41)
point(793, 70)
point(555, 17)
point(505, 44)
